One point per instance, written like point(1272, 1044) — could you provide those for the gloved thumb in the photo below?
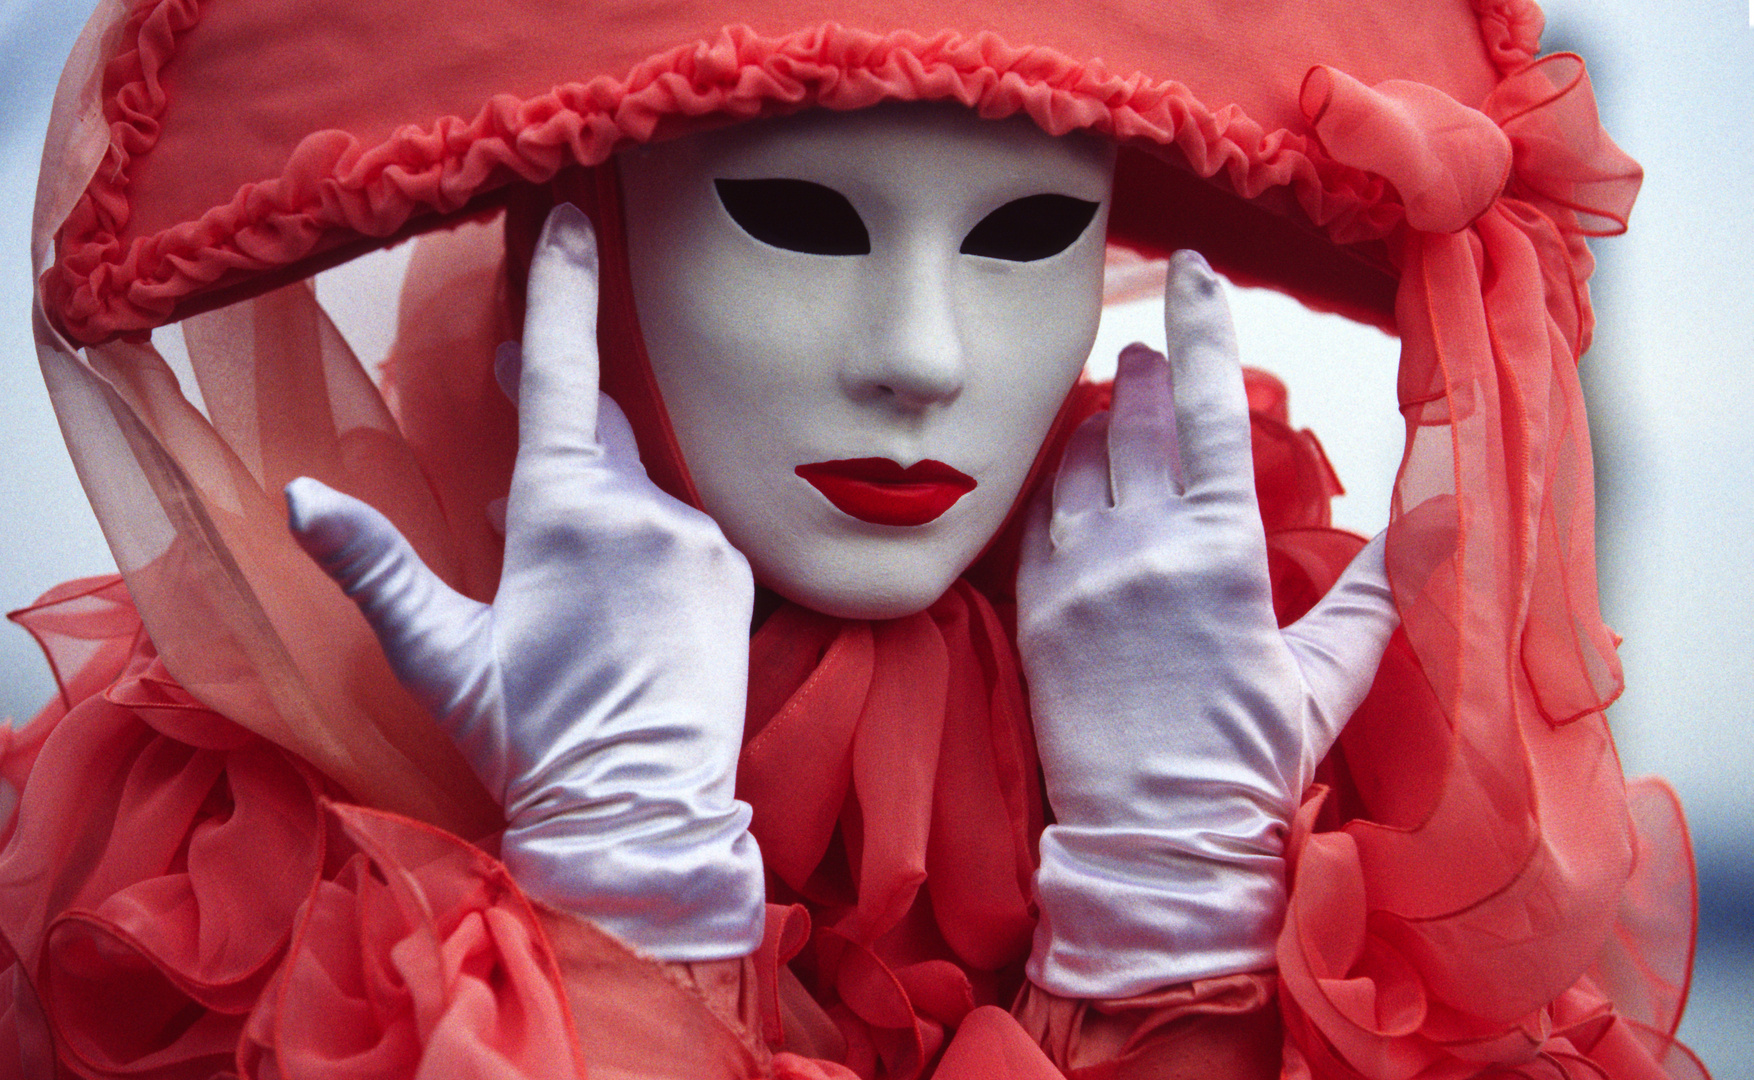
point(1339, 644)
point(427, 629)
point(615, 433)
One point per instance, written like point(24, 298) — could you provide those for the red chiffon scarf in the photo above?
point(851, 724)
point(893, 778)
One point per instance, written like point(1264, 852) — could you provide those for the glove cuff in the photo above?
point(1124, 912)
point(686, 898)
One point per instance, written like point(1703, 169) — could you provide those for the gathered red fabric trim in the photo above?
point(102, 286)
point(334, 187)
point(1511, 30)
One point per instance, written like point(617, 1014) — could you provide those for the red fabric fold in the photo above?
point(1482, 360)
point(892, 775)
point(1510, 30)
point(1447, 162)
point(886, 710)
point(1563, 158)
point(419, 957)
point(1492, 900)
point(1221, 1027)
point(159, 855)
point(1647, 963)
point(1446, 925)
point(86, 629)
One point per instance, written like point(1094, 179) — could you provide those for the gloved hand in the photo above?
point(1178, 726)
point(601, 695)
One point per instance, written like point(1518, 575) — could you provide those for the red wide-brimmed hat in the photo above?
point(249, 143)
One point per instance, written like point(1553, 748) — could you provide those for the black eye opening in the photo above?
point(796, 215)
point(1031, 228)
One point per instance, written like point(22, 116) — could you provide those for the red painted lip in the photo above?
point(881, 492)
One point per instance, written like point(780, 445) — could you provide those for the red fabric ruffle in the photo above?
point(892, 772)
point(1511, 30)
point(161, 859)
point(1365, 1003)
point(419, 957)
point(159, 855)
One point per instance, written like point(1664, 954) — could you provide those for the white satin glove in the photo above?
point(601, 695)
point(1178, 726)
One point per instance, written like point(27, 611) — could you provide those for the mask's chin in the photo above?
point(852, 604)
point(850, 589)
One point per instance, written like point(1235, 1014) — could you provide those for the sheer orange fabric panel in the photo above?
point(216, 574)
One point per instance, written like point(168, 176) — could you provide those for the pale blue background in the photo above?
point(1671, 380)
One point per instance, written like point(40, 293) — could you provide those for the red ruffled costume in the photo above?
point(261, 864)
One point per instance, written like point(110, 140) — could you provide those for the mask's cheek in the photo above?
point(1031, 327)
point(1043, 313)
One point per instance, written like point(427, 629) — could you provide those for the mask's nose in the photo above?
point(914, 357)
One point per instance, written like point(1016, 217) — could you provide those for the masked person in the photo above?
point(845, 342)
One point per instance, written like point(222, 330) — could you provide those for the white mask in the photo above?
point(886, 317)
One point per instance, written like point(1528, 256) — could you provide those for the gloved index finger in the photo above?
point(557, 388)
point(1211, 402)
